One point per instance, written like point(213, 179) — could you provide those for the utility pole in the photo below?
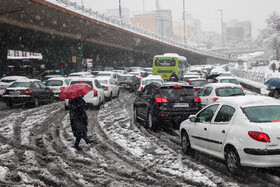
point(222, 33)
point(120, 9)
point(184, 19)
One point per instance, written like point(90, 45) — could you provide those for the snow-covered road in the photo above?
point(36, 150)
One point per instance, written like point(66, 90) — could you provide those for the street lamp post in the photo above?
point(221, 11)
point(184, 19)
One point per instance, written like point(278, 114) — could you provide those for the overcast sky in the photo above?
point(255, 11)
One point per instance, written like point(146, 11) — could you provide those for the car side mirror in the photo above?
point(192, 118)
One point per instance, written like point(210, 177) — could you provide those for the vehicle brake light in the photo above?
point(242, 89)
point(95, 94)
point(5, 92)
point(215, 99)
point(259, 136)
point(177, 87)
point(197, 100)
point(106, 88)
point(142, 88)
point(139, 78)
point(27, 92)
point(62, 88)
point(163, 115)
point(161, 100)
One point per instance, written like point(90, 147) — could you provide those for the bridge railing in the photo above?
point(259, 77)
point(127, 26)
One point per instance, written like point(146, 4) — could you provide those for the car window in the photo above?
point(97, 84)
point(176, 92)
point(262, 114)
point(67, 81)
point(21, 84)
point(201, 92)
point(207, 114)
point(198, 83)
point(152, 89)
point(225, 114)
point(208, 91)
point(54, 83)
point(145, 90)
point(42, 85)
point(37, 85)
point(229, 91)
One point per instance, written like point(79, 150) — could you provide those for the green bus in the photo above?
point(165, 64)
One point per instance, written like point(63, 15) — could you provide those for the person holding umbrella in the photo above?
point(77, 110)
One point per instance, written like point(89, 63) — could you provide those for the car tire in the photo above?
point(111, 97)
point(66, 107)
point(51, 99)
point(232, 161)
point(151, 122)
point(135, 118)
point(186, 144)
point(118, 94)
point(10, 104)
point(99, 105)
point(36, 102)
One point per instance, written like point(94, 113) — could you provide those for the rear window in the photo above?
point(262, 114)
point(229, 91)
point(104, 74)
point(54, 83)
point(179, 91)
point(125, 78)
point(234, 81)
point(21, 84)
point(79, 82)
point(198, 83)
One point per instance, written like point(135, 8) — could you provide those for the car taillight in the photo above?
point(163, 115)
point(142, 88)
point(5, 92)
point(106, 88)
point(197, 100)
point(161, 100)
point(177, 86)
point(139, 78)
point(95, 94)
point(62, 88)
point(27, 92)
point(259, 136)
point(215, 99)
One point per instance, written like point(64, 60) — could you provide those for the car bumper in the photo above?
point(177, 116)
point(13, 99)
point(260, 157)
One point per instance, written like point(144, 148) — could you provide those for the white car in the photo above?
point(222, 79)
point(57, 84)
point(95, 97)
point(79, 74)
point(5, 82)
point(187, 77)
point(111, 74)
point(151, 78)
point(243, 131)
point(210, 93)
point(111, 87)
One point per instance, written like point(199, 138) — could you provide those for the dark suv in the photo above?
point(129, 81)
point(170, 101)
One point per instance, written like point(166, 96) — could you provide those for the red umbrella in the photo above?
point(74, 91)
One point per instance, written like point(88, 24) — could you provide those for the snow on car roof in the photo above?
point(104, 78)
point(57, 78)
point(14, 77)
point(215, 85)
point(249, 100)
point(225, 77)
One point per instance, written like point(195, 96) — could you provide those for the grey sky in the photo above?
point(255, 11)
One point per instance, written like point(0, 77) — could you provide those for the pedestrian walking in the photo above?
point(174, 77)
point(273, 67)
point(79, 121)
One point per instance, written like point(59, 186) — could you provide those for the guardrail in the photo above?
point(127, 26)
point(259, 77)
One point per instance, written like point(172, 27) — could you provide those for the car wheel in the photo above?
point(10, 104)
point(118, 94)
point(151, 122)
point(232, 161)
point(66, 107)
point(51, 99)
point(135, 115)
point(111, 97)
point(185, 143)
point(99, 105)
point(36, 102)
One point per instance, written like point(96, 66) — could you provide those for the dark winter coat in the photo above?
point(174, 77)
point(78, 117)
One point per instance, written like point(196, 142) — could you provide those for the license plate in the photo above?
point(181, 105)
point(14, 93)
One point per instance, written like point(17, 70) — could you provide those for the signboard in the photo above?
point(74, 59)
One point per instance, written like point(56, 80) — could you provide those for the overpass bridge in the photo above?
point(60, 29)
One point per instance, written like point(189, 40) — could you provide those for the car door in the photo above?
point(204, 94)
point(38, 91)
point(218, 130)
point(199, 130)
point(46, 92)
point(140, 102)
